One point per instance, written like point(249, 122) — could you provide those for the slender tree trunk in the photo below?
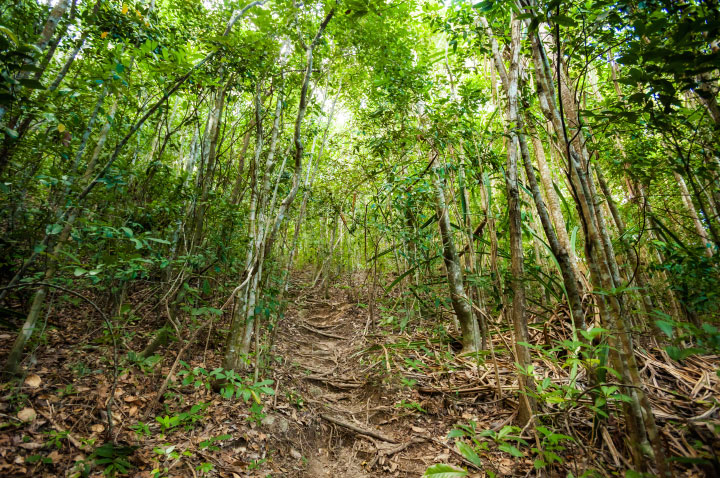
point(699, 228)
point(461, 303)
point(209, 156)
point(471, 261)
point(639, 416)
point(510, 78)
point(553, 203)
point(568, 272)
point(45, 36)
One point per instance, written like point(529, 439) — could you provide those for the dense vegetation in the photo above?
point(531, 185)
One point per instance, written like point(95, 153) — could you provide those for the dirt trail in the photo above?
point(353, 428)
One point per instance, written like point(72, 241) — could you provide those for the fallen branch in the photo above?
point(394, 450)
point(320, 332)
point(357, 429)
point(451, 390)
point(330, 382)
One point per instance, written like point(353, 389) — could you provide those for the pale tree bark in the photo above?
point(69, 215)
point(45, 36)
point(241, 327)
point(236, 197)
point(471, 339)
point(699, 228)
point(239, 343)
point(639, 417)
point(561, 253)
point(553, 203)
point(472, 261)
point(509, 79)
point(208, 159)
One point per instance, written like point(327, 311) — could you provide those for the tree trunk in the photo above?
point(699, 228)
point(639, 416)
point(509, 79)
point(471, 339)
point(48, 31)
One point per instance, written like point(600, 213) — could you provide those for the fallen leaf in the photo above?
point(97, 427)
point(27, 414)
point(33, 380)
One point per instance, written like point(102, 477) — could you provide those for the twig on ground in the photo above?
point(357, 429)
point(320, 332)
point(394, 450)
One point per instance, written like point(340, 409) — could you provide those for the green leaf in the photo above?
point(9, 33)
point(665, 326)
point(32, 84)
point(11, 132)
point(53, 229)
point(676, 353)
point(155, 239)
point(484, 6)
point(563, 20)
point(508, 448)
point(442, 470)
point(468, 452)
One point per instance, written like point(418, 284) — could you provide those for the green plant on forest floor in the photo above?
point(409, 405)
point(187, 419)
point(471, 443)
point(114, 458)
point(164, 453)
point(146, 364)
point(295, 398)
point(56, 438)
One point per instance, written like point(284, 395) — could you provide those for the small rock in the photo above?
point(295, 454)
point(284, 425)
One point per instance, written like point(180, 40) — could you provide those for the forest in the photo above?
point(360, 238)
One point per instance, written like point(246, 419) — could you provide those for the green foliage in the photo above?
point(209, 444)
point(444, 471)
point(241, 387)
point(470, 444)
point(694, 276)
point(186, 419)
point(141, 429)
point(113, 458)
point(146, 364)
point(56, 438)
point(410, 405)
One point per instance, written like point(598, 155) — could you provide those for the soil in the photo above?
point(350, 399)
